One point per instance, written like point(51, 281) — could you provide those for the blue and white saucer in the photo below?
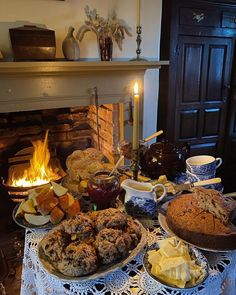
point(184, 178)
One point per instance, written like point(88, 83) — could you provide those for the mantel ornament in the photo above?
point(106, 30)
point(70, 46)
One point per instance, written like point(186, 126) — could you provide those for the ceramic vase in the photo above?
point(70, 46)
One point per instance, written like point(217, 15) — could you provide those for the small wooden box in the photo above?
point(33, 43)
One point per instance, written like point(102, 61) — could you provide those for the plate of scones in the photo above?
point(90, 245)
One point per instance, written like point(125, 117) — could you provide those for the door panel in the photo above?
point(228, 169)
point(204, 149)
point(188, 124)
point(216, 68)
point(211, 126)
point(204, 67)
point(191, 78)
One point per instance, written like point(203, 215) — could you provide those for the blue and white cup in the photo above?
point(202, 167)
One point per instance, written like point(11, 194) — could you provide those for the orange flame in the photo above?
point(39, 172)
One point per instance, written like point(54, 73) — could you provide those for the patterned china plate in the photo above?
point(164, 225)
point(102, 271)
point(199, 258)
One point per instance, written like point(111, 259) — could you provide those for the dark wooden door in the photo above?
point(197, 95)
point(203, 73)
point(228, 170)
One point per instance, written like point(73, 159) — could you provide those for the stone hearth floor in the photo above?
point(12, 247)
point(13, 282)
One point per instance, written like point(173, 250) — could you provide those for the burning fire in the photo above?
point(39, 172)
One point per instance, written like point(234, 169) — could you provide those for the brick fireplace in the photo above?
point(69, 129)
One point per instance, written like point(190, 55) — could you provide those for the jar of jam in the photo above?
point(103, 189)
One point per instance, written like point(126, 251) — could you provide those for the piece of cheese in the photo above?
point(156, 270)
point(169, 251)
point(172, 262)
point(171, 281)
point(168, 241)
point(154, 257)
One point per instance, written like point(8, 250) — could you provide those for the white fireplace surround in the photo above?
point(26, 86)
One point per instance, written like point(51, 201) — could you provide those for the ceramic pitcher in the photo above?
point(141, 198)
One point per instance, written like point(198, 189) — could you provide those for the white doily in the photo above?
point(131, 279)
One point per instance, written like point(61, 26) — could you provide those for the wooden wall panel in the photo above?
point(188, 124)
point(211, 125)
point(192, 67)
point(215, 72)
point(204, 149)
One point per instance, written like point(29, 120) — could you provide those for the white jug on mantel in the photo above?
point(70, 46)
point(141, 198)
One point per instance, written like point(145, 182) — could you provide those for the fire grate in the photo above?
point(21, 161)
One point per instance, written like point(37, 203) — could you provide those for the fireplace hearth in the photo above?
point(58, 96)
point(69, 129)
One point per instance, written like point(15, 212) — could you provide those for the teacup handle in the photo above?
point(218, 162)
point(193, 175)
point(164, 191)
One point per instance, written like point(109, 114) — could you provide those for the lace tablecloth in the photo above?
point(131, 279)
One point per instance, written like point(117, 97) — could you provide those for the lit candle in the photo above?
point(138, 13)
point(136, 118)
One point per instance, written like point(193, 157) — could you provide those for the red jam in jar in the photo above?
point(103, 189)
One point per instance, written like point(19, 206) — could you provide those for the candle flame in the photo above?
point(136, 88)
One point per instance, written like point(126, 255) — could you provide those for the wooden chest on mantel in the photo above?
point(33, 43)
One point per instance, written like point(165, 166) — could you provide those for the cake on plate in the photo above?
point(202, 218)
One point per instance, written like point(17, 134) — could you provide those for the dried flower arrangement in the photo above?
point(110, 27)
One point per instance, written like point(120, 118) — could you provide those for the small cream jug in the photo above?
point(141, 198)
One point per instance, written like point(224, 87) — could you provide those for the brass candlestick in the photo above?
point(138, 41)
point(135, 164)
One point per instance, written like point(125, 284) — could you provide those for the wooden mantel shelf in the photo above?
point(26, 86)
point(62, 67)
